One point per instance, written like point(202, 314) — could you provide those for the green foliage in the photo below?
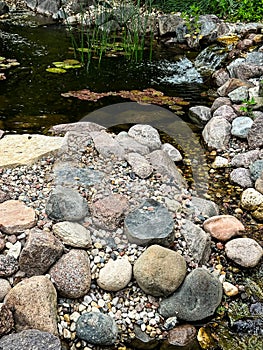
point(247, 106)
point(243, 10)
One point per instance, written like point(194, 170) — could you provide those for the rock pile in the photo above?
point(111, 251)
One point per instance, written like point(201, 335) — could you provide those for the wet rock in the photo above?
point(245, 159)
point(30, 339)
point(238, 95)
point(79, 127)
point(41, 250)
point(198, 241)
point(229, 289)
point(241, 177)
point(203, 207)
point(172, 152)
point(71, 274)
point(129, 144)
point(165, 166)
point(210, 59)
point(200, 115)
point(223, 227)
point(159, 271)
point(225, 111)
point(146, 135)
point(216, 133)
point(66, 204)
point(255, 139)
point(97, 328)
point(196, 299)
point(244, 251)
point(4, 288)
point(3, 8)
point(72, 234)
point(220, 162)
point(230, 85)
point(256, 169)
point(6, 321)
point(44, 7)
point(251, 199)
point(15, 217)
point(150, 223)
point(109, 211)
point(182, 336)
point(220, 77)
point(34, 304)
point(140, 165)
point(107, 146)
point(8, 265)
point(241, 127)
point(142, 340)
point(115, 275)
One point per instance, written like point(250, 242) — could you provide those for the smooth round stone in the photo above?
point(148, 224)
point(251, 199)
point(229, 289)
point(245, 252)
point(115, 275)
point(220, 162)
point(241, 126)
point(97, 328)
point(197, 298)
point(223, 227)
point(159, 271)
point(182, 336)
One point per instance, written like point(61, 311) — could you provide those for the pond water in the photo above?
point(30, 97)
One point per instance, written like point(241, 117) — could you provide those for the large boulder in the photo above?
point(196, 299)
point(159, 271)
point(34, 304)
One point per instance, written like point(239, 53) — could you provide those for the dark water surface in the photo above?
point(30, 97)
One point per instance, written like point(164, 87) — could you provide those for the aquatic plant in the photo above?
point(146, 96)
point(63, 66)
point(109, 31)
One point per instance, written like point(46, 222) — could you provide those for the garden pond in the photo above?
point(31, 102)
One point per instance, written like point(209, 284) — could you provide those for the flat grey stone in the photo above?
point(80, 127)
point(72, 234)
point(97, 328)
point(30, 339)
point(245, 159)
point(106, 145)
point(130, 144)
point(200, 114)
point(198, 241)
point(204, 208)
point(66, 204)
point(197, 298)
point(148, 224)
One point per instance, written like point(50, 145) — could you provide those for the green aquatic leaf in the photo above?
point(2, 58)
point(84, 49)
point(71, 62)
point(72, 66)
point(56, 70)
point(58, 64)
